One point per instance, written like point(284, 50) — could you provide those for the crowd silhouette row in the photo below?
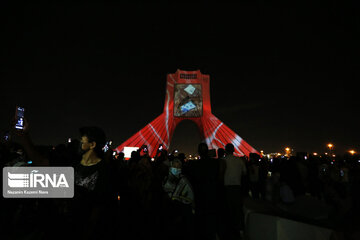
point(169, 196)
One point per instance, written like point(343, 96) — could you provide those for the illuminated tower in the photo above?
point(187, 97)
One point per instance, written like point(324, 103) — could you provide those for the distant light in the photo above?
point(69, 140)
point(315, 154)
point(330, 145)
point(334, 155)
point(29, 162)
point(118, 198)
point(287, 149)
point(271, 160)
point(352, 152)
point(152, 159)
point(114, 153)
point(305, 157)
point(110, 142)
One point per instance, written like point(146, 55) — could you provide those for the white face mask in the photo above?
point(175, 171)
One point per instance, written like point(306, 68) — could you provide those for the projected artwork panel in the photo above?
point(188, 100)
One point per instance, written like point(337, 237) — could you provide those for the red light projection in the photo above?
point(187, 97)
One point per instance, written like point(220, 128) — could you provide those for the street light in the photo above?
point(330, 146)
point(352, 152)
point(287, 151)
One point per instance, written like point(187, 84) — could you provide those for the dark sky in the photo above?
point(281, 74)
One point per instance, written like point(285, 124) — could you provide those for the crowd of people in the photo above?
point(169, 196)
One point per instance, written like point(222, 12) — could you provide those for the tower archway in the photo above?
point(186, 138)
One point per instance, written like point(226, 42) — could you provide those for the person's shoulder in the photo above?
point(184, 179)
point(230, 156)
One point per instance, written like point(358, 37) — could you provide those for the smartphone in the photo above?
point(145, 149)
point(106, 147)
point(19, 116)
point(160, 147)
point(69, 140)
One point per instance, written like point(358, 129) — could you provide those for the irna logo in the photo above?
point(35, 179)
point(38, 182)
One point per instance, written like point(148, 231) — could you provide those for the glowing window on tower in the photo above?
point(188, 100)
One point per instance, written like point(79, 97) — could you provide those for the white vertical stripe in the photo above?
point(156, 133)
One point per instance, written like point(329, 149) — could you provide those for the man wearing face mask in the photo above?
point(180, 205)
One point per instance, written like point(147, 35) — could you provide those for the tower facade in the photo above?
point(187, 97)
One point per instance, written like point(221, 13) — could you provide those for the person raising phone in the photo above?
point(91, 205)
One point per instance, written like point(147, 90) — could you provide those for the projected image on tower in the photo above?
point(187, 100)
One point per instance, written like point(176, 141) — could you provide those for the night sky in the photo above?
point(281, 74)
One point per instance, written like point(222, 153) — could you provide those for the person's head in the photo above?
point(175, 167)
point(254, 158)
point(135, 156)
point(145, 162)
point(229, 148)
point(182, 157)
point(121, 156)
point(203, 149)
point(221, 152)
point(92, 139)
